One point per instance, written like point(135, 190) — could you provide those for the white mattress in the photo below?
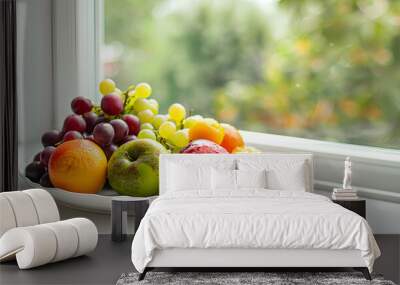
point(252, 219)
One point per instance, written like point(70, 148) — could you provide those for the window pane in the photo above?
point(325, 70)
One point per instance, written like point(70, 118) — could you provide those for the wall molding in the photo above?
point(377, 194)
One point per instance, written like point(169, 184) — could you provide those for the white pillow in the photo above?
point(251, 178)
point(282, 174)
point(223, 179)
point(288, 175)
point(183, 177)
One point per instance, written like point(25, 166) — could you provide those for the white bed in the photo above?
point(210, 226)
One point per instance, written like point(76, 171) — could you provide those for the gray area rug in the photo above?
point(229, 278)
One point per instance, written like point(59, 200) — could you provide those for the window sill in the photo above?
point(325, 148)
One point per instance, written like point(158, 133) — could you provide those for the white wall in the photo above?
point(383, 217)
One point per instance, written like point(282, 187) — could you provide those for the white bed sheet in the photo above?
point(252, 218)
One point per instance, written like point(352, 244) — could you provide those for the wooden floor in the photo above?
point(110, 260)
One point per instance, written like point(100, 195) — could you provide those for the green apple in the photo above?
point(133, 168)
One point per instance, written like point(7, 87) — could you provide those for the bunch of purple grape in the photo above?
point(108, 127)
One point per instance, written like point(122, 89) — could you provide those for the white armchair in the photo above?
point(31, 230)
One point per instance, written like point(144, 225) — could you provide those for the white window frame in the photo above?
point(77, 36)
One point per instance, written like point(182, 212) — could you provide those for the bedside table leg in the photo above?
point(119, 216)
point(140, 210)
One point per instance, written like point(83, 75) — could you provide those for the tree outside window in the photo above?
point(326, 70)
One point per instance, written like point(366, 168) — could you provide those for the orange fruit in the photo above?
point(206, 130)
point(232, 138)
point(78, 166)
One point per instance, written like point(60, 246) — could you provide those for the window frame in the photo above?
point(375, 170)
point(76, 33)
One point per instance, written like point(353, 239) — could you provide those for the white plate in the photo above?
point(99, 202)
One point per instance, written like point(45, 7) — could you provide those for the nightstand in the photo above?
point(119, 214)
point(357, 206)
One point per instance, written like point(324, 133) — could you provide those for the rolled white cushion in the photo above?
point(45, 205)
point(66, 238)
point(7, 218)
point(87, 235)
point(37, 245)
point(23, 208)
point(33, 246)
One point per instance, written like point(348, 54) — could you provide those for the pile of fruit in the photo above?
point(121, 139)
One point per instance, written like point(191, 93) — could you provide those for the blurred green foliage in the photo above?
point(319, 69)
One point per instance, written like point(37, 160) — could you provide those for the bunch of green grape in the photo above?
point(171, 129)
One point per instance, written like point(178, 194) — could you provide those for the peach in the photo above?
point(206, 130)
point(78, 166)
point(232, 138)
